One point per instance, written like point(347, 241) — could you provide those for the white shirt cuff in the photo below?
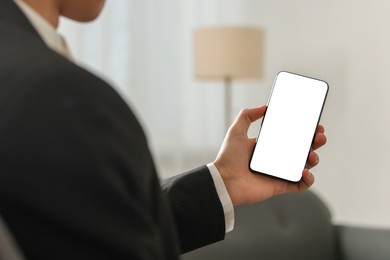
point(224, 197)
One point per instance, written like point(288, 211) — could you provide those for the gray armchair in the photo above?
point(296, 226)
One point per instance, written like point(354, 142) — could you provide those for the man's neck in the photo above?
point(48, 9)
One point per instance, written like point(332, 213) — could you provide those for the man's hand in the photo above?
point(232, 162)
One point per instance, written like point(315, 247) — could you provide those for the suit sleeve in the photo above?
point(197, 210)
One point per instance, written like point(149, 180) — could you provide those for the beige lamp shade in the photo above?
point(228, 53)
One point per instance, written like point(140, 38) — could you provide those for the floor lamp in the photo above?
point(228, 53)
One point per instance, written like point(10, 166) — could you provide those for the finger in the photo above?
point(246, 117)
point(306, 181)
point(252, 143)
point(312, 160)
point(252, 140)
point(319, 140)
point(320, 129)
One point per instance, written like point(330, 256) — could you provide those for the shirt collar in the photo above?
point(45, 30)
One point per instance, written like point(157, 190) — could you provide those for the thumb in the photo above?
point(245, 118)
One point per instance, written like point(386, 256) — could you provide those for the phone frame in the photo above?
point(265, 115)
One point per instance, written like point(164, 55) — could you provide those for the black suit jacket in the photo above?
point(77, 180)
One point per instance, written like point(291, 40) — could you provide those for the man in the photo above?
point(77, 180)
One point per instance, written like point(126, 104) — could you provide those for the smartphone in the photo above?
point(293, 112)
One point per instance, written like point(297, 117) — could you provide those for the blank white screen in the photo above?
point(289, 126)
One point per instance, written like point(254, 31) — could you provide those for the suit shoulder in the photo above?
point(27, 63)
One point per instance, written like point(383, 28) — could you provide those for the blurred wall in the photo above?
point(347, 43)
point(145, 48)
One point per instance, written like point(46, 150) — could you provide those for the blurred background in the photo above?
point(145, 49)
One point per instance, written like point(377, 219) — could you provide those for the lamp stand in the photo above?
point(228, 101)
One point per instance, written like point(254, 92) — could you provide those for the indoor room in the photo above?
point(147, 50)
point(155, 55)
